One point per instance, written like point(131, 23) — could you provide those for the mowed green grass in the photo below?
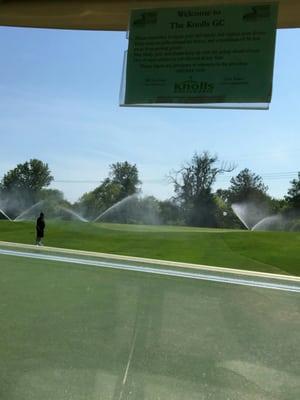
point(79, 332)
point(275, 252)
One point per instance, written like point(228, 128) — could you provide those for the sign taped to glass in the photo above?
point(220, 56)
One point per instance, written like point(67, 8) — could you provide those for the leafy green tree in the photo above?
point(193, 188)
point(126, 176)
point(21, 186)
point(170, 213)
point(225, 217)
point(149, 211)
point(108, 193)
point(247, 186)
point(52, 195)
point(122, 182)
point(293, 194)
point(91, 204)
point(29, 177)
point(87, 205)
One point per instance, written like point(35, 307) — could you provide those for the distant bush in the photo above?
point(295, 226)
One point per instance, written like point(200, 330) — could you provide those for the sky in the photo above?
point(59, 102)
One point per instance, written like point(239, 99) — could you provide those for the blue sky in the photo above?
point(59, 93)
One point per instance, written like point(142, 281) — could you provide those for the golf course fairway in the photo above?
point(274, 252)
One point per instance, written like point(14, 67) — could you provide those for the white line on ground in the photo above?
point(153, 261)
point(158, 271)
point(128, 365)
point(130, 357)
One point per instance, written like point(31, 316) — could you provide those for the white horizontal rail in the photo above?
point(157, 271)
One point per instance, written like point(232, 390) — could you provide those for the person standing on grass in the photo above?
point(40, 227)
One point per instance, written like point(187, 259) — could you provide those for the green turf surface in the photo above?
point(276, 252)
point(70, 332)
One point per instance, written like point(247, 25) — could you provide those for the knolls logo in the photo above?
point(257, 13)
point(191, 86)
point(145, 19)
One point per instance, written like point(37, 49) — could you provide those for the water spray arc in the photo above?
point(31, 212)
point(73, 214)
point(255, 218)
point(238, 210)
point(5, 215)
point(28, 210)
point(118, 204)
point(267, 222)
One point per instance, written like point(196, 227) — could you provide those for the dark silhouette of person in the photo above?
point(40, 227)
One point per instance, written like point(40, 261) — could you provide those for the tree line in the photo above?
point(195, 202)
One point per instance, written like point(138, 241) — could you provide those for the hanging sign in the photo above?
point(201, 56)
